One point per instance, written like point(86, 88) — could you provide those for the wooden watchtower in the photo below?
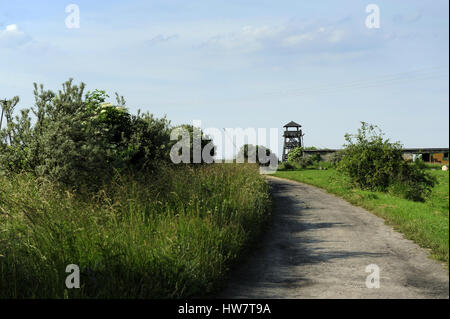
point(292, 138)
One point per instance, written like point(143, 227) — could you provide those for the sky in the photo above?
point(232, 64)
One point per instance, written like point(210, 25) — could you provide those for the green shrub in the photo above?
point(77, 138)
point(375, 163)
point(316, 158)
point(295, 154)
point(287, 166)
point(249, 153)
point(335, 158)
point(205, 145)
point(298, 157)
point(305, 161)
point(413, 182)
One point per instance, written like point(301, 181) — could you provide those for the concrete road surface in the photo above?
point(318, 246)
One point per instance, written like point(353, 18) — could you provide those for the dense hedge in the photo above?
point(78, 139)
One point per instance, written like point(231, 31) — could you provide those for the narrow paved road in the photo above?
point(318, 246)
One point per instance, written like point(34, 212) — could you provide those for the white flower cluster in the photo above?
point(104, 106)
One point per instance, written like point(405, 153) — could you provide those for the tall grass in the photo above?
point(170, 235)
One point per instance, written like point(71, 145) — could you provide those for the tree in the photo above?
point(250, 153)
point(200, 152)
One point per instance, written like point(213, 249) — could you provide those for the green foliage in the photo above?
point(316, 158)
point(205, 144)
point(336, 157)
point(172, 234)
point(15, 137)
point(126, 218)
point(78, 138)
point(251, 153)
point(287, 166)
point(374, 163)
point(413, 181)
point(305, 161)
point(295, 154)
point(149, 144)
point(298, 158)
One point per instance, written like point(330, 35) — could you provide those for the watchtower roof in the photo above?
point(292, 124)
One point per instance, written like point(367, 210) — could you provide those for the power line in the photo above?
point(360, 84)
point(330, 88)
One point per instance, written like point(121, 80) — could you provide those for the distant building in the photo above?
point(428, 155)
point(325, 154)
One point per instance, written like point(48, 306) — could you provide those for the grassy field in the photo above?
point(426, 223)
point(174, 235)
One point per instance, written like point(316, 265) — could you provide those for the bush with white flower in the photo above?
point(79, 139)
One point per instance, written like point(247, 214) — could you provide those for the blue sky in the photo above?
point(245, 63)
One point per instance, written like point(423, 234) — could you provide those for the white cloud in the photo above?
point(407, 18)
point(311, 38)
point(323, 38)
point(248, 38)
point(11, 36)
point(161, 39)
point(251, 38)
point(336, 36)
point(11, 28)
